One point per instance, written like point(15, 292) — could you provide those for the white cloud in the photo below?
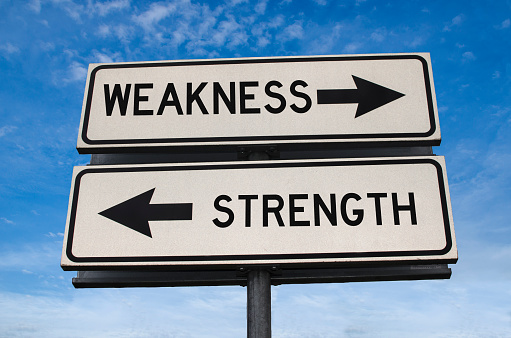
point(326, 39)
point(468, 56)
point(352, 47)
point(229, 33)
point(102, 58)
point(260, 7)
point(35, 5)
point(144, 313)
point(262, 31)
point(263, 42)
point(34, 256)
point(6, 130)
point(237, 2)
point(443, 109)
point(75, 11)
point(76, 72)
point(103, 31)
point(417, 41)
point(292, 32)
point(47, 46)
point(156, 13)
point(104, 8)
point(53, 235)
point(120, 31)
point(5, 220)
point(276, 21)
point(504, 24)
point(456, 21)
point(9, 48)
point(379, 35)
point(105, 57)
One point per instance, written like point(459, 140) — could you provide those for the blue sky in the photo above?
point(45, 49)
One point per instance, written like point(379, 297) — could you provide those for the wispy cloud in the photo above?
point(131, 313)
point(417, 41)
point(6, 221)
point(352, 47)
point(260, 7)
point(155, 13)
point(52, 235)
point(468, 56)
point(75, 72)
point(105, 57)
point(321, 2)
point(47, 46)
point(504, 24)
point(75, 11)
point(34, 256)
point(456, 21)
point(292, 32)
point(104, 8)
point(9, 48)
point(120, 31)
point(6, 130)
point(34, 5)
point(379, 35)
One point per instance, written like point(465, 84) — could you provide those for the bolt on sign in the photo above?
point(256, 101)
point(309, 212)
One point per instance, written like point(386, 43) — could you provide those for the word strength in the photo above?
point(334, 209)
point(270, 212)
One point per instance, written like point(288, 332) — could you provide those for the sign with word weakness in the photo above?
point(376, 210)
point(253, 101)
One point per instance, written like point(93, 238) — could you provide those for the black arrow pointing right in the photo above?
point(368, 95)
point(136, 212)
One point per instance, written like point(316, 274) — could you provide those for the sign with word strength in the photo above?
point(310, 212)
point(257, 101)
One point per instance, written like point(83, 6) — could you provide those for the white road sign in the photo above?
point(254, 101)
point(282, 212)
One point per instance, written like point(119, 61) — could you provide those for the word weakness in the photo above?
point(236, 99)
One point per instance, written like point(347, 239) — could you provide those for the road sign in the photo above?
point(288, 101)
point(310, 212)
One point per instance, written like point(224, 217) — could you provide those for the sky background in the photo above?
point(45, 49)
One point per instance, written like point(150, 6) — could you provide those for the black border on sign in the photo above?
point(213, 140)
point(236, 259)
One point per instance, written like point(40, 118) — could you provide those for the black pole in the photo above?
point(258, 288)
point(258, 304)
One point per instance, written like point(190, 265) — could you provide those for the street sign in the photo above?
point(310, 213)
point(287, 101)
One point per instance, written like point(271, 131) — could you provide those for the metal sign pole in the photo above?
point(258, 304)
point(258, 288)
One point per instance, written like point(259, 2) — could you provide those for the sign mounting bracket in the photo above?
point(267, 152)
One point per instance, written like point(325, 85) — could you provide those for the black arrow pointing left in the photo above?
point(136, 212)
